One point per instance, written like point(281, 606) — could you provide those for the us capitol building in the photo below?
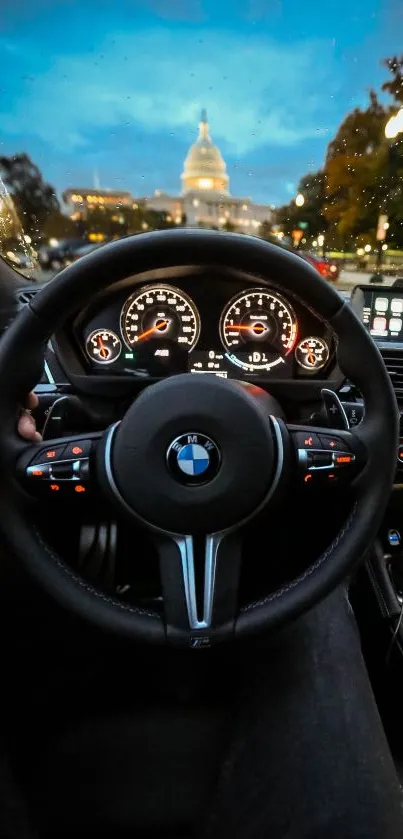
point(205, 200)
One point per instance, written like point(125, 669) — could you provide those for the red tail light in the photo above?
point(323, 268)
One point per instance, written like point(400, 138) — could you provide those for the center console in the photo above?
point(381, 311)
point(380, 308)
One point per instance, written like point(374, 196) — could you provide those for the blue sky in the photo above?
point(117, 87)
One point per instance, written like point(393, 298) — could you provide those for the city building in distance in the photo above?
point(79, 200)
point(204, 200)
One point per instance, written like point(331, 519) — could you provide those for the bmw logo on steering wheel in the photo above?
point(193, 459)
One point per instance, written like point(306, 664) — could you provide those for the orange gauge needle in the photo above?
point(311, 357)
point(102, 349)
point(254, 327)
point(160, 325)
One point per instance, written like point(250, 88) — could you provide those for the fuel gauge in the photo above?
point(312, 353)
point(103, 346)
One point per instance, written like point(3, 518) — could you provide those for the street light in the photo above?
point(393, 128)
point(300, 200)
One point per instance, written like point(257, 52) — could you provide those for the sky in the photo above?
point(115, 87)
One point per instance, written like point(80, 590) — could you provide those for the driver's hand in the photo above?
point(26, 423)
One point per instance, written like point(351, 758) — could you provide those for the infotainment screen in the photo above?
point(381, 310)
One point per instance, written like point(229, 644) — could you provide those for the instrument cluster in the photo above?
point(204, 326)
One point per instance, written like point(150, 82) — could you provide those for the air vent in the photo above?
point(24, 296)
point(394, 364)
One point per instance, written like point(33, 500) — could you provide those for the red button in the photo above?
point(77, 448)
point(48, 455)
point(332, 443)
point(306, 440)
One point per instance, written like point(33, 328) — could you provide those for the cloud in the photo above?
point(257, 92)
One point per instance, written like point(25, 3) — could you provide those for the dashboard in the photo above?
point(199, 321)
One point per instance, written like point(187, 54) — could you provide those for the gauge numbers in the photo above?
point(160, 314)
point(259, 329)
point(312, 353)
point(103, 346)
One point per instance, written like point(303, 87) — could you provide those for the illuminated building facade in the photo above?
point(206, 200)
point(80, 201)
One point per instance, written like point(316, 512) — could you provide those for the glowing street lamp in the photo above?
point(300, 200)
point(394, 126)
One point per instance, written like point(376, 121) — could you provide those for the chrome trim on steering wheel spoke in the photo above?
point(185, 547)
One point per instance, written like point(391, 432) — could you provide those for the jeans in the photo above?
point(309, 757)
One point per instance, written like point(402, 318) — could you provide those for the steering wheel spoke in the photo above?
point(62, 467)
point(326, 457)
point(200, 580)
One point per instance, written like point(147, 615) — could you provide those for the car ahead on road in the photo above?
point(57, 257)
point(326, 268)
point(84, 249)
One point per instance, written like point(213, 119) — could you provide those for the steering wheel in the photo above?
point(245, 454)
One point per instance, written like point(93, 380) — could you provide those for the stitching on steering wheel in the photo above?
point(125, 606)
point(289, 586)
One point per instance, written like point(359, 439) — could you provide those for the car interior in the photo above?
point(221, 448)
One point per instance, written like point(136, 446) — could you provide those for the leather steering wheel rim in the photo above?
point(21, 361)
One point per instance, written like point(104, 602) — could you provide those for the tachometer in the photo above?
point(258, 329)
point(161, 314)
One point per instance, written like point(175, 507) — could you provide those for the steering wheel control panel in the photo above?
point(62, 469)
point(323, 458)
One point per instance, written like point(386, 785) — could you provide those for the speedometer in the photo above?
point(161, 314)
point(258, 329)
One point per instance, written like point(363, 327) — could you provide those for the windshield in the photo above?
point(273, 119)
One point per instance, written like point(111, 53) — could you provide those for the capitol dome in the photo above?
point(204, 169)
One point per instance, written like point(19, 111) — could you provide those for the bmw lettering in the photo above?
point(193, 458)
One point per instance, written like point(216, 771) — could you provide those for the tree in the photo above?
point(59, 226)
point(10, 228)
point(265, 230)
point(356, 171)
point(313, 187)
point(33, 198)
point(394, 86)
point(229, 226)
point(158, 219)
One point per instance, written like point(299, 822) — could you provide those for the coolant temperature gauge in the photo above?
point(312, 353)
point(103, 346)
